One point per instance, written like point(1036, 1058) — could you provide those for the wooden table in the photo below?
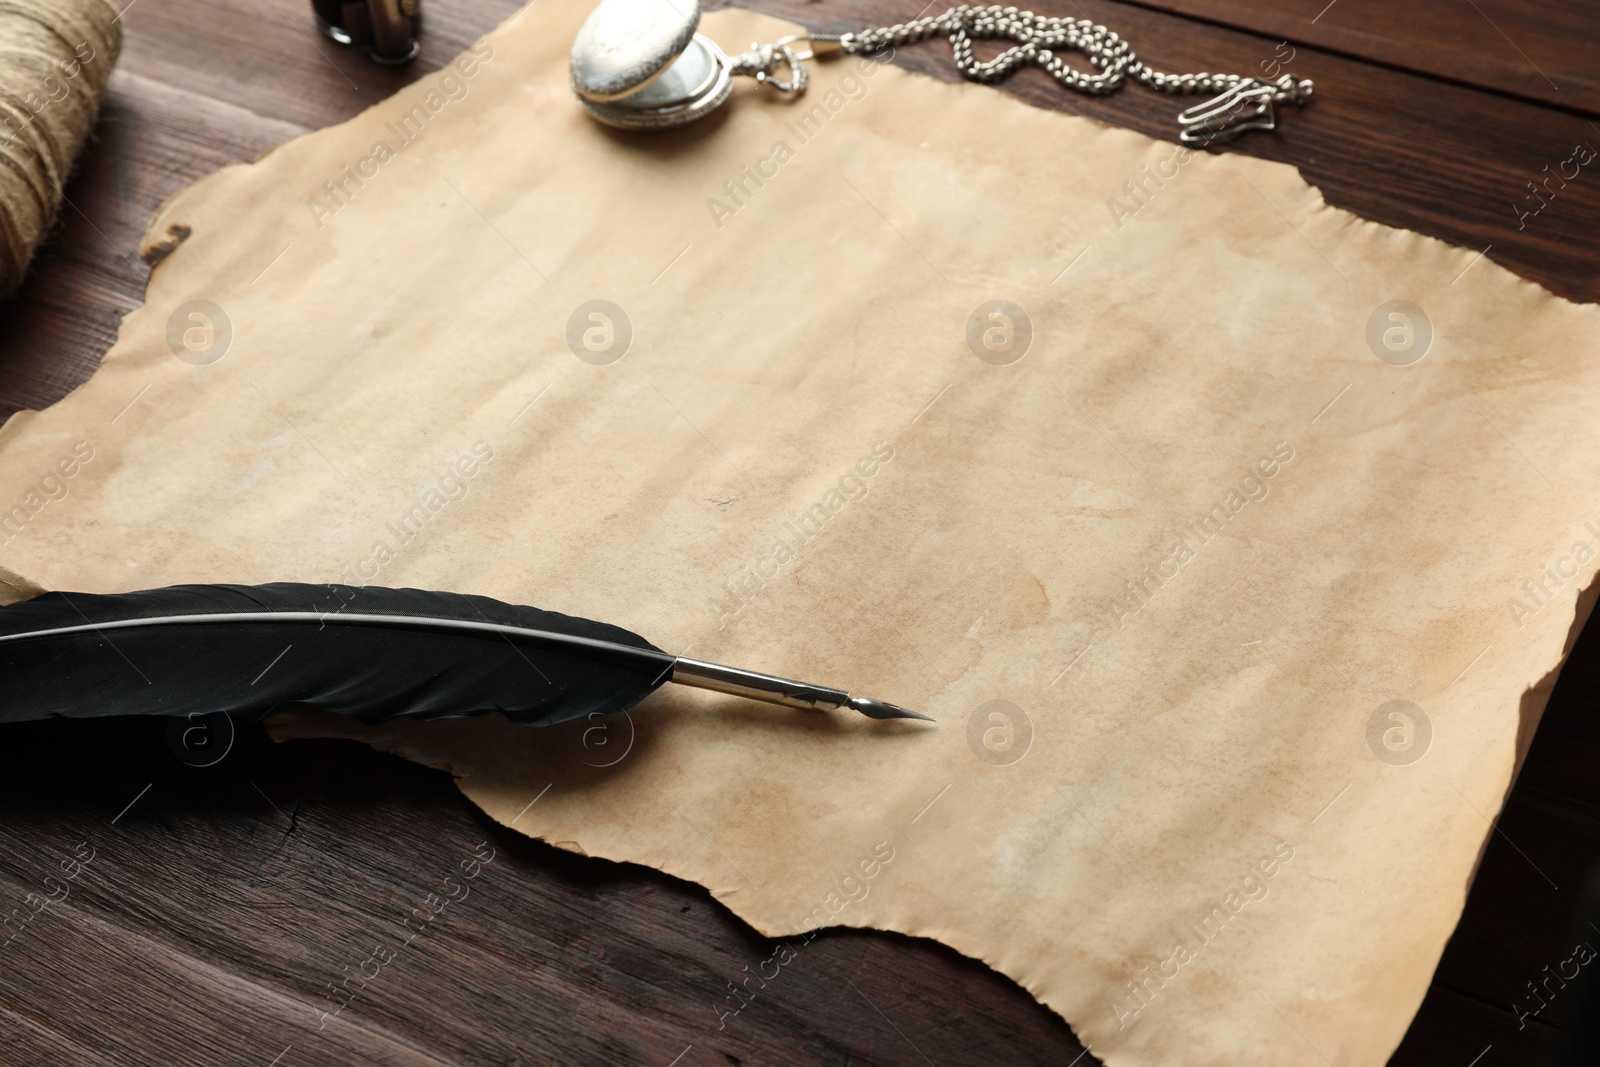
point(220, 906)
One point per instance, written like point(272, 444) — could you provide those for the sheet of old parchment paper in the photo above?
point(1234, 540)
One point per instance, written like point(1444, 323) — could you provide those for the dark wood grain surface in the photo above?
point(1543, 50)
point(224, 910)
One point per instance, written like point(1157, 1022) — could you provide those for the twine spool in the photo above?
point(55, 59)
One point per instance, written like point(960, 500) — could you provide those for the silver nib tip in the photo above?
point(878, 709)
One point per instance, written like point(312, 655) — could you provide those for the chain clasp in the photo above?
point(1250, 104)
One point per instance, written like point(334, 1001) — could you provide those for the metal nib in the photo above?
point(785, 692)
point(878, 709)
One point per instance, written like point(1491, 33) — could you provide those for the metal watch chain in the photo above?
point(1242, 102)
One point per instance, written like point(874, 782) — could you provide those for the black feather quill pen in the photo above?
point(367, 652)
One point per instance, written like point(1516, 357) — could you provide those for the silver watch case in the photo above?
point(640, 64)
